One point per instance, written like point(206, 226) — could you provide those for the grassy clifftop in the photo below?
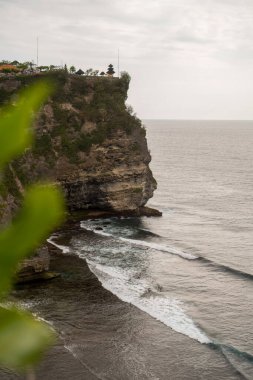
point(76, 101)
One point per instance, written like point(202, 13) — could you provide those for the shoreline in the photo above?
point(38, 268)
point(101, 336)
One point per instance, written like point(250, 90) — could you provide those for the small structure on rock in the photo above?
point(80, 72)
point(110, 71)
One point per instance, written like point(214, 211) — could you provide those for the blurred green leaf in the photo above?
point(22, 337)
point(42, 211)
point(15, 121)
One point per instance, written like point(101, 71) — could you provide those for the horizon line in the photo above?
point(164, 119)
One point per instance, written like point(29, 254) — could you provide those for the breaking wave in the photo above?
point(138, 293)
point(142, 243)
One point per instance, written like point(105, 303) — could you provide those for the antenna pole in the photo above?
point(37, 51)
point(118, 62)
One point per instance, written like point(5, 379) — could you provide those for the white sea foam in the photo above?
point(24, 306)
point(142, 243)
point(64, 248)
point(73, 349)
point(160, 247)
point(103, 233)
point(49, 323)
point(30, 304)
point(137, 291)
point(130, 287)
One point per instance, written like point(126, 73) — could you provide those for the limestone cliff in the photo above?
point(87, 140)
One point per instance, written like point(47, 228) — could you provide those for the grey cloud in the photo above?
point(170, 37)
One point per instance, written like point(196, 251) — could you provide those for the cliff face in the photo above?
point(112, 176)
point(88, 141)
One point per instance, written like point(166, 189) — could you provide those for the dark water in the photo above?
point(185, 278)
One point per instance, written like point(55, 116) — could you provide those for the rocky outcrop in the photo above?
point(34, 268)
point(89, 142)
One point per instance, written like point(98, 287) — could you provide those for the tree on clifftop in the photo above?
point(110, 70)
point(88, 72)
point(72, 69)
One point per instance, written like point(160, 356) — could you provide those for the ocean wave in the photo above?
point(128, 286)
point(235, 351)
point(64, 248)
point(171, 250)
point(137, 292)
point(149, 232)
point(73, 349)
point(240, 360)
point(142, 243)
point(161, 247)
point(225, 268)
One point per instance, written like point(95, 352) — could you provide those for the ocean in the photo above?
point(169, 297)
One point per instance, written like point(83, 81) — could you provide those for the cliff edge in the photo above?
point(88, 140)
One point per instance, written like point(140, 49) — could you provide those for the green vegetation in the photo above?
point(8, 184)
point(69, 149)
point(22, 337)
point(97, 99)
point(3, 191)
point(137, 190)
point(72, 69)
point(85, 142)
point(135, 147)
point(106, 109)
point(42, 144)
point(4, 96)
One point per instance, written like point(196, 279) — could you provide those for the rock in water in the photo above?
point(34, 268)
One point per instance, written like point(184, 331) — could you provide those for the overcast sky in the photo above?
point(188, 59)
